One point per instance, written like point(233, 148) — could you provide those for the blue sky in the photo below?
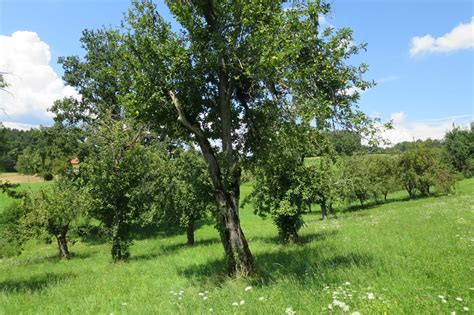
point(424, 92)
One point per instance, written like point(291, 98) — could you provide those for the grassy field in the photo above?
point(398, 258)
point(5, 201)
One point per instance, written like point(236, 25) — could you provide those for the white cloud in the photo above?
point(406, 130)
point(19, 126)
point(460, 37)
point(33, 83)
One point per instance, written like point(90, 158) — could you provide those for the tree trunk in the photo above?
point(385, 196)
point(324, 210)
point(238, 255)
point(120, 242)
point(62, 246)
point(190, 232)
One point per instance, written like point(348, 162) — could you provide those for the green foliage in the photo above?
point(234, 73)
point(281, 179)
point(192, 192)
point(459, 149)
point(53, 211)
point(50, 150)
point(345, 142)
point(12, 144)
point(121, 176)
point(420, 168)
point(325, 182)
point(11, 235)
point(383, 250)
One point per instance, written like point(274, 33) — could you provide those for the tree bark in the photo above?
point(324, 210)
point(190, 232)
point(62, 246)
point(238, 256)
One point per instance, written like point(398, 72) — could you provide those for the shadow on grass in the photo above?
point(301, 264)
point(303, 239)
point(297, 262)
point(55, 258)
point(172, 249)
point(32, 284)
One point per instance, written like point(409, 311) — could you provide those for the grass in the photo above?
point(405, 253)
point(5, 201)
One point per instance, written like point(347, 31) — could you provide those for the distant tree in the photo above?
point(421, 168)
point(358, 185)
point(53, 211)
point(382, 172)
point(459, 149)
point(192, 194)
point(325, 183)
point(346, 142)
point(50, 150)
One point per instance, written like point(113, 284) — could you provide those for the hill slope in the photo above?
point(397, 257)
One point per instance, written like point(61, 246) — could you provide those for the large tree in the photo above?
point(232, 71)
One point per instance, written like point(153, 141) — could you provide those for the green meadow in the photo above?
point(405, 256)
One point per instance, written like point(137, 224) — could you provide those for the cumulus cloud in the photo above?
point(406, 130)
point(460, 37)
point(33, 83)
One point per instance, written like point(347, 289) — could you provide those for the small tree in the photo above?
point(359, 186)
point(420, 168)
point(382, 174)
point(53, 210)
point(459, 149)
point(281, 180)
point(121, 175)
point(192, 191)
point(325, 181)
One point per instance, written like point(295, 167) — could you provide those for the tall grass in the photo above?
point(397, 258)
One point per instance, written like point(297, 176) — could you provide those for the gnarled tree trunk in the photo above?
point(238, 255)
point(190, 233)
point(62, 245)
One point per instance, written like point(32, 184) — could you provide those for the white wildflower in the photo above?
point(465, 308)
point(444, 301)
point(330, 306)
point(248, 288)
point(355, 313)
point(171, 292)
point(347, 283)
point(235, 304)
point(205, 298)
point(261, 298)
point(345, 308)
point(440, 296)
point(201, 294)
point(370, 296)
point(338, 303)
point(211, 309)
point(180, 298)
point(453, 313)
point(289, 311)
point(175, 293)
point(181, 292)
point(124, 303)
point(242, 302)
point(206, 292)
point(459, 299)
